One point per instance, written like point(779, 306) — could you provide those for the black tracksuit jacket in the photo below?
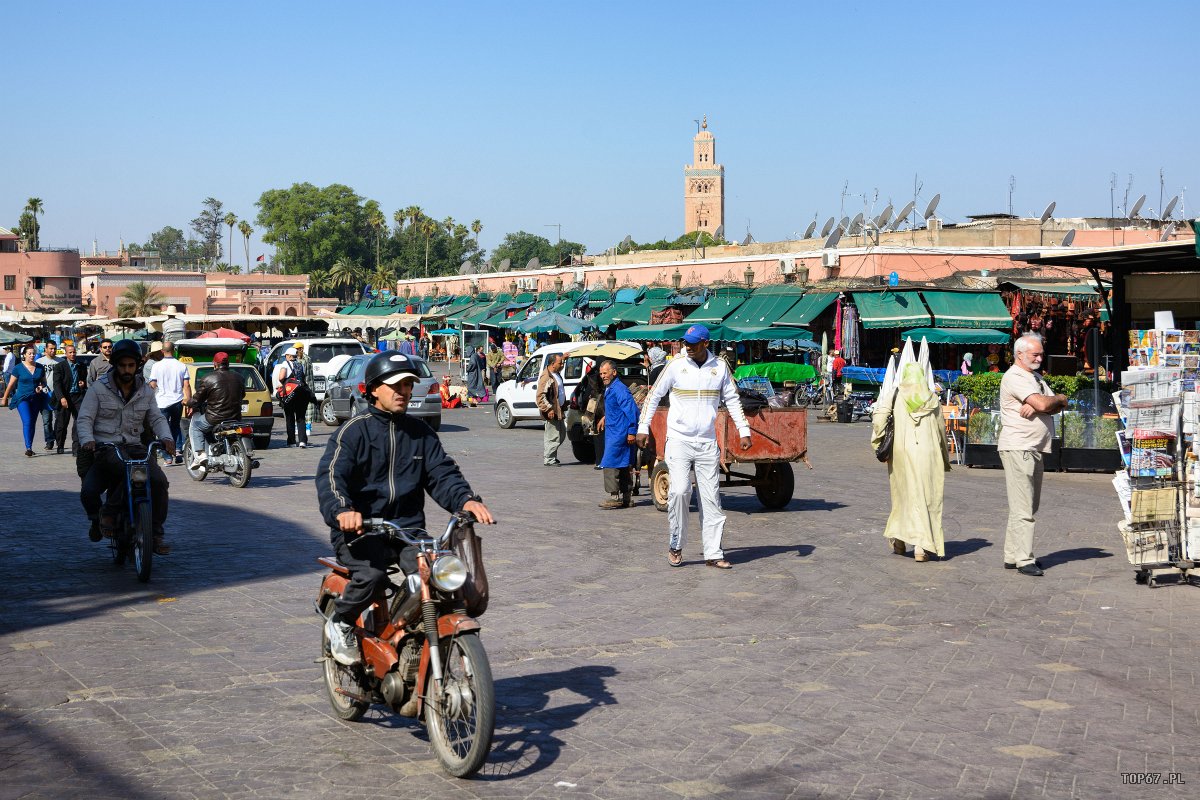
point(381, 465)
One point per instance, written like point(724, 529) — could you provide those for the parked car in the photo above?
point(345, 393)
point(257, 408)
point(319, 351)
point(515, 399)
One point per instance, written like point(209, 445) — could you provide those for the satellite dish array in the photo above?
point(884, 222)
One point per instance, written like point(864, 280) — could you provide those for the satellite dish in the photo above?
point(844, 224)
point(699, 236)
point(1137, 207)
point(833, 239)
point(856, 224)
point(1048, 213)
point(1170, 207)
point(626, 242)
point(748, 240)
point(534, 263)
point(903, 215)
point(467, 268)
point(884, 217)
point(487, 266)
point(1069, 238)
point(932, 207)
point(505, 265)
point(810, 230)
point(719, 233)
point(827, 227)
point(1167, 232)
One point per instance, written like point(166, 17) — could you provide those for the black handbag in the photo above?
point(469, 547)
point(884, 451)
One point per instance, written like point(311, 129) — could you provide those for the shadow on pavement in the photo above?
point(741, 555)
point(527, 724)
point(55, 575)
point(1075, 554)
point(965, 547)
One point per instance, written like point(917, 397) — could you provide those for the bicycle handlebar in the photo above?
point(155, 445)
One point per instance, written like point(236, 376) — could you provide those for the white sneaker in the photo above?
point(303, 445)
point(199, 460)
point(342, 642)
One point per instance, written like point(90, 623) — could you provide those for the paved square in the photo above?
point(820, 666)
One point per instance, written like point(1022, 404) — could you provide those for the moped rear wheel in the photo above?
point(239, 478)
point(462, 718)
point(143, 541)
point(338, 676)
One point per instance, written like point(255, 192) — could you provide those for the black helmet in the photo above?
point(126, 348)
point(389, 368)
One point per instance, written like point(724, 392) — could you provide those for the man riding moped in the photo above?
point(118, 408)
point(380, 465)
point(219, 394)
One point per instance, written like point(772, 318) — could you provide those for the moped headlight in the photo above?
point(448, 573)
point(138, 476)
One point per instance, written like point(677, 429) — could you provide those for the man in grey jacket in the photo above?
point(118, 409)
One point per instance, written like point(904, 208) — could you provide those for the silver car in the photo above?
point(345, 394)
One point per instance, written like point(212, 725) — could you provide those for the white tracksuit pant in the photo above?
point(703, 456)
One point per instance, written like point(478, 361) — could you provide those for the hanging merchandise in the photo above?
point(850, 334)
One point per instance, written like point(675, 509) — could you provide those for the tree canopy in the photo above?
point(685, 242)
point(208, 227)
point(521, 246)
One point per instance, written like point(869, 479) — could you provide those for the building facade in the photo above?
point(703, 185)
point(42, 280)
point(212, 293)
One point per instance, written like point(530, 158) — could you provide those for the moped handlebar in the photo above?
point(414, 536)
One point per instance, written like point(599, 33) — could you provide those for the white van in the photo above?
point(516, 399)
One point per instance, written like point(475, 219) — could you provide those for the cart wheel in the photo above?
point(660, 485)
point(774, 484)
point(1151, 582)
point(1140, 576)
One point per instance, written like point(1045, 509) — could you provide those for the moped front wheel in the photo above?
point(119, 544)
point(143, 541)
point(338, 676)
point(461, 718)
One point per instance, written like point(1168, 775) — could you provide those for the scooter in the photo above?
point(130, 503)
point(230, 449)
point(421, 651)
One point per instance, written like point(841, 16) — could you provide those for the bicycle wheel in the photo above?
point(143, 541)
point(462, 718)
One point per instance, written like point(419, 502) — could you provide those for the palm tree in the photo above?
point(34, 206)
point(428, 228)
point(384, 278)
point(245, 229)
point(376, 220)
point(318, 282)
point(345, 274)
point(399, 217)
point(227, 268)
point(230, 220)
point(140, 299)
point(476, 228)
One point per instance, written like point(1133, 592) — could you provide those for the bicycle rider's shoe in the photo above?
point(161, 548)
point(108, 525)
point(94, 531)
point(342, 643)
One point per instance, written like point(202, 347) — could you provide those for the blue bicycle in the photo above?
point(130, 504)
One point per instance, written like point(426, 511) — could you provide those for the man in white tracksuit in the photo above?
point(697, 383)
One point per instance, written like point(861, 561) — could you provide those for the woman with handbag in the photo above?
point(292, 393)
point(909, 414)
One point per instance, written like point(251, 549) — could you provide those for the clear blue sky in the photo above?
point(124, 116)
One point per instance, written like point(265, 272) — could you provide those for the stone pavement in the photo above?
point(822, 666)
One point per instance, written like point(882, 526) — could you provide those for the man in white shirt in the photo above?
point(697, 384)
point(172, 390)
point(49, 362)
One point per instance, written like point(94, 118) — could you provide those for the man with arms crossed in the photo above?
point(697, 384)
point(1027, 408)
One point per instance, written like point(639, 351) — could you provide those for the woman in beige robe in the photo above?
point(918, 466)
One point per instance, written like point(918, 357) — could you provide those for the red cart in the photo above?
point(779, 437)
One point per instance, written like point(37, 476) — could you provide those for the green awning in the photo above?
point(659, 293)
point(458, 315)
point(1086, 291)
point(808, 309)
point(640, 314)
point(611, 315)
point(891, 309)
point(957, 336)
point(653, 333)
point(598, 298)
point(760, 333)
point(717, 308)
point(967, 310)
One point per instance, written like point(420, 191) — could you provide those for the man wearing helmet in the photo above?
point(117, 409)
point(380, 464)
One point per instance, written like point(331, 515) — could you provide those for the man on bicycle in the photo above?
point(219, 394)
point(380, 464)
point(118, 409)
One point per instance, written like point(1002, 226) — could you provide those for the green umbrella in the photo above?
point(11, 337)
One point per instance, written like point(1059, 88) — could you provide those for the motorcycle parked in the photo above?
point(130, 503)
point(421, 651)
point(230, 450)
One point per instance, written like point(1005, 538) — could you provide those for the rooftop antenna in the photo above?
point(1112, 193)
point(1137, 206)
point(918, 185)
point(902, 217)
point(697, 126)
point(1166, 215)
point(808, 232)
point(1012, 184)
point(932, 207)
point(1069, 239)
point(833, 239)
point(845, 191)
point(827, 227)
point(1125, 204)
point(1162, 186)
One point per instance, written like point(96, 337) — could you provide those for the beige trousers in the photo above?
point(1023, 479)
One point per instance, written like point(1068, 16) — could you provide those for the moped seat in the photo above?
point(335, 565)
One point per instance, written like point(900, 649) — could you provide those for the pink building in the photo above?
point(213, 293)
point(39, 281)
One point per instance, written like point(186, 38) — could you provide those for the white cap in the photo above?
point(291, 351)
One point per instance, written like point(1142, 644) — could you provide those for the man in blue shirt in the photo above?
point(620, 428)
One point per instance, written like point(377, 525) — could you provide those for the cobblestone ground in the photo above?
point(821, 666)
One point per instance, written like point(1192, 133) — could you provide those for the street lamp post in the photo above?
point(676, 279)
point(612, 283)
point(749, 276)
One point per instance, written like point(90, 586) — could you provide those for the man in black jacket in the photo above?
point(220, 394)
point(381, 464)
point(69, 382)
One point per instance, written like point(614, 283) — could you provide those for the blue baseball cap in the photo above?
point(696, 334)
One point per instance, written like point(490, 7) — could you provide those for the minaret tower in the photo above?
point(703, 185)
